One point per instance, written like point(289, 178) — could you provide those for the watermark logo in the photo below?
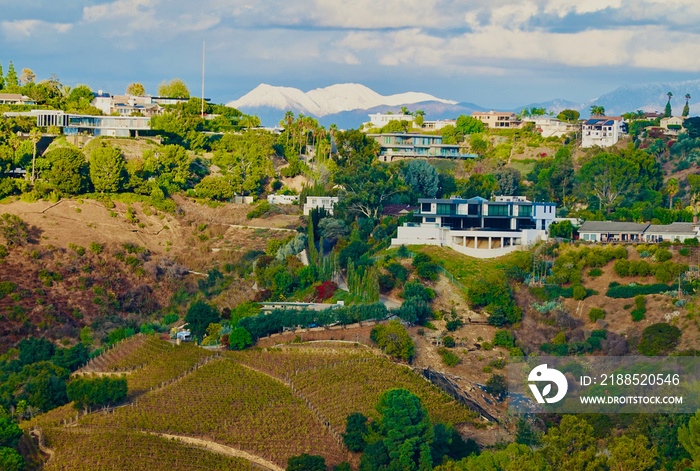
point(541, 374)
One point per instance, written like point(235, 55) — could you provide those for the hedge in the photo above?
point(616, 290)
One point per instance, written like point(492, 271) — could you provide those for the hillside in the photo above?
point(271, 404)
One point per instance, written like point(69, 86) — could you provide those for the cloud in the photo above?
point(23, 29)
point(118, 9)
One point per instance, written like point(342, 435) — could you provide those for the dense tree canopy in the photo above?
point(106, 169)
point(174, 88)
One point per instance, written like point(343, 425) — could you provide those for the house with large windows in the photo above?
point(397, 146)
point(498, 119)
point(601, 132)
point(479, 227)
point(72, 124)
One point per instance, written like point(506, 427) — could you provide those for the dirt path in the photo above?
point(222, 450)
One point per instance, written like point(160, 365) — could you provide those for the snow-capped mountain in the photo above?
point(648, 97)
point(325, 101)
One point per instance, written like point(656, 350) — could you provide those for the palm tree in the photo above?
point(597, 111)
point(405, 111)
point(332, 130)
point(667, 111)
point(686, 108)
point(671, 189)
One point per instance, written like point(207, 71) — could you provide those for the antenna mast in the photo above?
point(203, 52)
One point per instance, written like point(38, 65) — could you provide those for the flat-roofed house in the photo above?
point(670, 232)
point(498, 120)
point(601, 132)
point(612, 231)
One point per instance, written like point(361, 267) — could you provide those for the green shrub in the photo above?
point(640, 309)
point(658, 338)
point(516, 352)
point(595, 272)
point(663, 254)
point(96, 247)
point(449, 358)
point(503, 338)
point(448, 341)
point(685, 251)
point(617, 290)
point(579, 292)
point(596, 313)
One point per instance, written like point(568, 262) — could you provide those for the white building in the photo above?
point(379, 120)
point(601, 132)
point(548, 126)
point(315, 202)
point(498, 119)
point(439, 124)
point(72, 124)
point(478, 227)
point(672, 125)
point(282, 199)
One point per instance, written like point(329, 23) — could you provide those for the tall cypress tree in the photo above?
point(11, 80)
point(2, 79)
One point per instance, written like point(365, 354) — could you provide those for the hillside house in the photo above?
point(672, 125)
point(315, 202)
point(613, 231)
point(72, 124)
point(498, 120)
point(551, 127)
point(601, 132)
point(15, 99)
point(397, 146)
point(479, 227)
point(379, 120)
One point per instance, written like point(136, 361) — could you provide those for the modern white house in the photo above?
point(601, 132)
point(72, 124)
point(438, 124)
point(379, 120)
point(479, 227)
point(551, 127)
point(399, 145)
point(315, 202)
point(282, 199)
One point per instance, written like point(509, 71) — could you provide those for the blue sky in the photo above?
point(501, 53)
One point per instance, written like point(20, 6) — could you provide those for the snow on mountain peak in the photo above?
point(325, 101)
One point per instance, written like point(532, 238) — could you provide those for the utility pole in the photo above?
point(203, 52)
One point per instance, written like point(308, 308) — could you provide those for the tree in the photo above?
point(667, 111)
point(497, 386)
point(572, 446)
point(597, 110)
point(13, 229)
point(468, 125)
point(89, 392)
point(692, 126)
point(10, 433)
point(306, 462)
point(422, 178)
point(332, 229)
point(671, 189)
point(239, 339)
point(2, 78)
point(355, 431)
point(508, 181)
point(608, 177)
point(407, 430)
point(689, 437)
point(106, 167)
point(245, 159)
point(686, 108)
point(632, 454)
point(79, 99)
point(568, 115)
point(68, 171)
point(11, 460)
point(11, 80)
point(175, 88)
point(27, 76)
point(135, 89)
point(199, 316)
point(365, 186)
point(394, 340)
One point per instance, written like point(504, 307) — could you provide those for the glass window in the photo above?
point(429, 219)
point(498, 210)
point(443, 208)
point(425, 207)
point(387, 140)
point(524, 210)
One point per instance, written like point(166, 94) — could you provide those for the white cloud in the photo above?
point(118, 9)
point(23, 29)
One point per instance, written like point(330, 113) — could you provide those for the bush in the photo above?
point(454, 324)
point(596, 313)
point(658, 338)
point(504, 338)
point(685, 251)
point(497, 386)
point(398, 271)
point(448, 341)
point(617, 290)
point(96, 247)
point(449, 358)
point(579, 292)
point(640, 303)
point(595, 272)
point(394, 340)
point(663, 254)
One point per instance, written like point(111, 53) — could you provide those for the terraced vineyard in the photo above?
point(150, 362)
point(233, 405)
point(93, 450)
point(342, 382)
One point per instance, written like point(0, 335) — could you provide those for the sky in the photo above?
point(497, 53)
